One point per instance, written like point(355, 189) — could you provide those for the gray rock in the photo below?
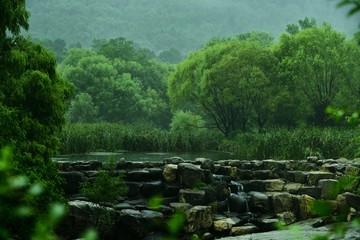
point(314, 192)
point(170, 173)
point(269, 224)
point(192, 196)
point(315, 177)
point(238, 204)
point(155, 173)
point(173, 160)
point(190, 175)
point(329, 188)
point(303, 206)
point(254, 185)
point(282, 202)
point(297, 176)
point(263, 174)
point(122, 206)
point(208, 164)
point(258, 202)
point(242, 230)
point(180, 207)
point(198, 218)
point(274, 185)
point(288, 217)
point(138, 176)
point(224, 224)
point(149, 189)
point(352, 200)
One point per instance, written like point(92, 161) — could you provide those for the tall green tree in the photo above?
point(32, 104)
point(229, 79)
point(320, 62)
point(14, 17)
point(121, 90)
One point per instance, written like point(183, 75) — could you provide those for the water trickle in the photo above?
point(237, 201)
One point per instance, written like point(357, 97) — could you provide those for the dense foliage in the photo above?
point(242, 83)
point(116, 82)
point(230, 79)
point(32, 104)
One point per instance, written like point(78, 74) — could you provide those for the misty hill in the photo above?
point(185, 25)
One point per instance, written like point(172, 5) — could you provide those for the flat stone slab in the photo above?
point(301, 230)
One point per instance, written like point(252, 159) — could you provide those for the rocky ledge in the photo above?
point(216, 198)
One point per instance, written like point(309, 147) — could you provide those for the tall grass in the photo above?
point(83, 138)
point(295, 143)
point(276, 143)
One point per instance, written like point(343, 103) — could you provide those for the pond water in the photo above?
point(141, 156)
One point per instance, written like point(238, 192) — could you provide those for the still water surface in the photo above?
point(141, 156)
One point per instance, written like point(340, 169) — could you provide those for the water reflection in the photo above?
point(141, 156)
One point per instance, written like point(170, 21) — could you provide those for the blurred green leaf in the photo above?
point(176, 223)
point(155, 202)
point(24, 211)
point(18, 182)
point(322, 208)
point(90, 235)
point(36, 190)
point(56, 212)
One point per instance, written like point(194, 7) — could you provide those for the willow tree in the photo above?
point(322, 64)
point(229, 79)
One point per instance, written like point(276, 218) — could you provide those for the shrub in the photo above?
point(294, 144)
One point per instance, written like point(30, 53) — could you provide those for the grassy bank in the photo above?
point(82, 138)
point(275, 143)
point(295, 143)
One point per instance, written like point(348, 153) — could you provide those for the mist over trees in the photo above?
point(161, 25)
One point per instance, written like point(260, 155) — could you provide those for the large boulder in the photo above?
point(207, 164)
point(314, 192)
point(190, 175)
point(198, 218)
point(180, 207)
point(258, 202)
point(238, 204)
point(170, 173)
point(273, 185)
point(82, 215)
point(192, 196)
point(242, 230)
point(316, 176)
point(297, 176)
point(138, 176)
point(329, 188)
point(352, 200)
point(304, 204)
point(225, 224)
point(149, 189)
point(282, 202)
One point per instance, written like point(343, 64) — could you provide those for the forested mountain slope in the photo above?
point(185, 25)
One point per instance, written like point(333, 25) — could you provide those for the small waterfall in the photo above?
point(239, 196)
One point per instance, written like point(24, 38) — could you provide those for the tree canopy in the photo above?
point(229, 79)
point(14, 17)
point(321, 64)
point(33, 100)
point(117, 80)
point(252, 81)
